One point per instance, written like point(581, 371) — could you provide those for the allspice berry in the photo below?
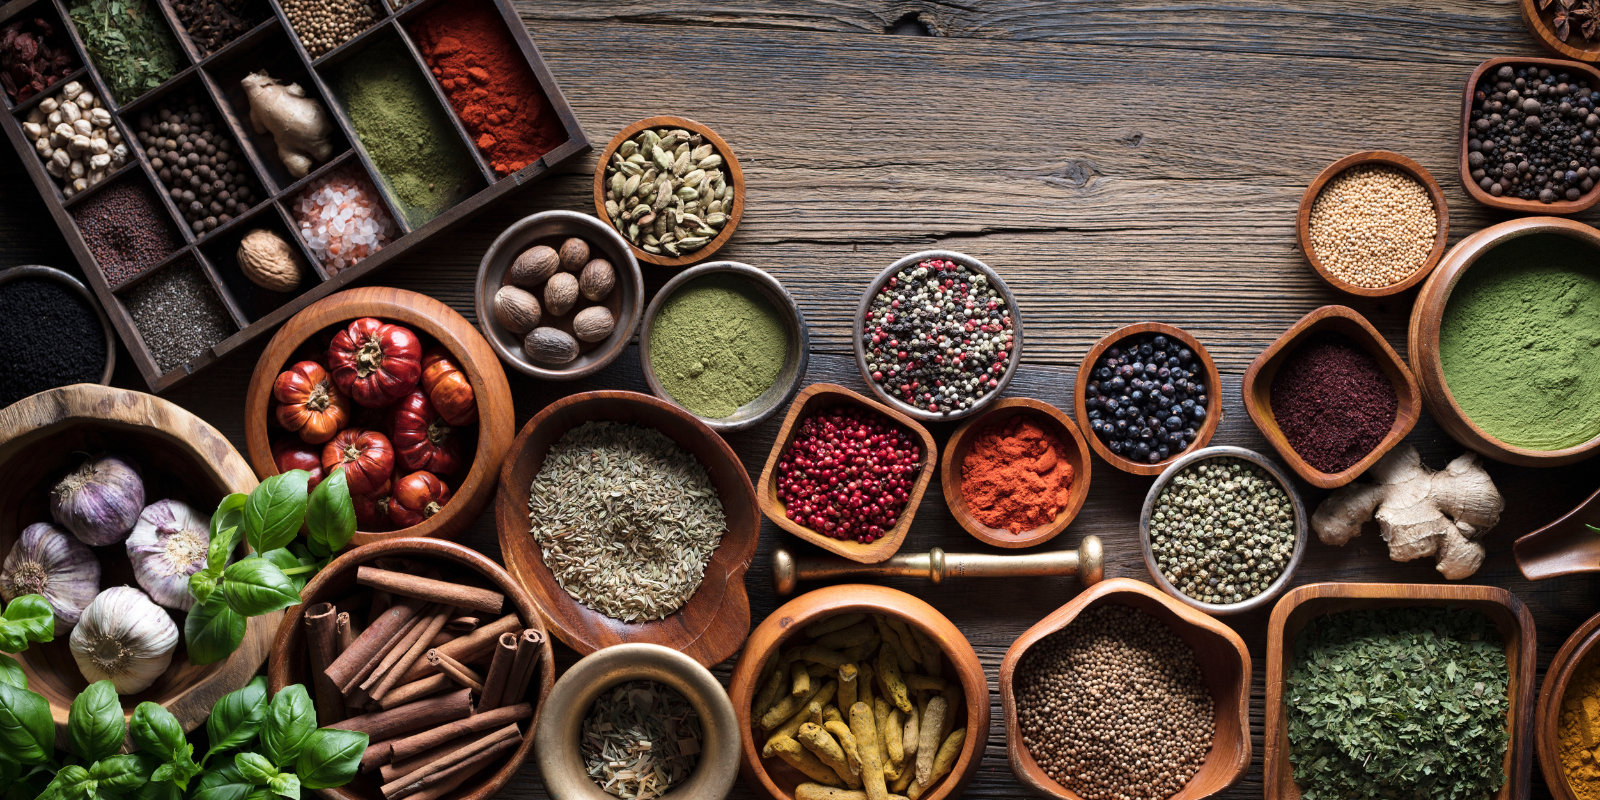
point(597, 280)
point(517, 310)
point(560, 293)
point(593, 324)
point(574, 254)
point(550, 346)
point(533, 267)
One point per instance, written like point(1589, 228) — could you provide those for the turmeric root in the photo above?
point(299, 125)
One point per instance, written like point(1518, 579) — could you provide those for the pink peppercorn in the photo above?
point(848, 473)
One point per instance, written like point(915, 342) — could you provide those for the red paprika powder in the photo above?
point(1014, 476)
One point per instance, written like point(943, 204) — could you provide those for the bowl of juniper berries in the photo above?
point(1146, 394)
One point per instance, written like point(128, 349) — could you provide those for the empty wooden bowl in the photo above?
point(1569, 545)
point(711, 626)
point(1052, 420)
point(1305, 603)
point(1213, 383)
point(775, 776)
point(819, 397)
point(1517, 204)
point(45, 436)
point(1578, 648)
point(1378, 158)
point(424, 316)
point(76, 287)
point(730, 164)
point(1541, 23)
point(1347, 321)
point(1224, 666)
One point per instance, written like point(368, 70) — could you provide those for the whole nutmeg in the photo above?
point(593, 324)
point(597, 280)
point(533, 267)
point(517, 310)
point(574, 254)
point(550, 346)
point(561, 293)
point(269, 262)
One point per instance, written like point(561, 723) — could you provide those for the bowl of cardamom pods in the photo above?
point(672, 187)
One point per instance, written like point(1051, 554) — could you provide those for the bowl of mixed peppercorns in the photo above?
point(1147, 394)
point(1530, 135)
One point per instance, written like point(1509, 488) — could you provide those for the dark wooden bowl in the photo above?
point(1051, 419)
point(1564, 547)
point(1541, 23)
point(44, 436)
point(779, 779)
point(1423, 340)
point(76, 287)
point(1213, 381)
point(1224, 666)
point(865, 304)
point(290, 663)
point(1305, 603)
point(818, 397)
point(426, 316)
point(1340, 319)
point(1516, 204)
point(729, 161)
point(1386, 158)
point(711, 626)
point(1552, 694)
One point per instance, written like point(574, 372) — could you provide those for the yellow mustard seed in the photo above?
point(1373, 226)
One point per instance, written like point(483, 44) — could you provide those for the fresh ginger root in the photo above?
point(1420, 512)
point(298, 124)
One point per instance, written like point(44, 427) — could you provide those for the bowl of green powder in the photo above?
point(725, 342)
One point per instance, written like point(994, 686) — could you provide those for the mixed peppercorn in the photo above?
point(1147, 398)
point(848, 473)
point(1533, 135)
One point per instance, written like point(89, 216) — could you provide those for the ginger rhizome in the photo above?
point(299, 125)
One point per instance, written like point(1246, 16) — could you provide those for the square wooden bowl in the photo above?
point(1210, 374)
point(1303, 604)
point(1053, 420)
point(815, 398)
point(1517, 204)
point(1338, 319)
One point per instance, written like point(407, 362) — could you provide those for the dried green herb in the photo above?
point(129, 42)
point(1398, 703)
point(640, 739)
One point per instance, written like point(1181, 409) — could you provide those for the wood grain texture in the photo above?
point(1547, 714)
point(1375, 158)
point(1051, 419)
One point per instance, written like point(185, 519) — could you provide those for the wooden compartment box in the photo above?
point(213, 79)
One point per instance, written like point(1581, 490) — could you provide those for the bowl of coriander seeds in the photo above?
point(1373, 223)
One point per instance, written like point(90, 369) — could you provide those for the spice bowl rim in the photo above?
point(497, 261)
point(1213, 377)
point(859, 324)
point(76, 286)
point(1387, 158)
point(960, 441)
point(560, 759)
point(1541, 31)
point(1552, 696)
point(1584, 202)
point(1021, 760)
point(797, 358)
point(735, 179)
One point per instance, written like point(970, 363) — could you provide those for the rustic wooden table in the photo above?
point(1114, 161)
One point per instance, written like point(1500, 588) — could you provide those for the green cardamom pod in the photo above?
point(630, 185)
point(717, 219)
point(693, 242)
point(631, 168)
point(651, 249)
point(668, 142)
point(649, 139)
point(680, 133)
point(694, 177)
point(612, 209)
point(661, 158)
point(628, 148)
point(699, 153)
point(709, 162)
point(633, 232)
point(637, 158)
point(681, 166)
point(650, 238)
point(618, 180)
point(705, 231)
point(688, 193)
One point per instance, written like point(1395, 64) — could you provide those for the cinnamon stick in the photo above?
point(344, 632)
point(321, 645)
point(481, 751)
point(365, 648)
point(442, 638)
point(401, 749)
point(457, 671)
point(448, 786)
point(421, 644)
point(402, 643)
point(416, 690)
point(352, 690)
point(473, 645)
point(494, 683)
point(432, 590)
point(463, 624)
point(399, 769)
point(400, 720)
point(530, 650)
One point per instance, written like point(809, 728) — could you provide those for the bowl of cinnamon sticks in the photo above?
point(435, 653)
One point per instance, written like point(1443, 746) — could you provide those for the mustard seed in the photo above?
point(1373, 226)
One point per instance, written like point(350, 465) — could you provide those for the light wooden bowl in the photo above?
point(1213, 382)
point(1552, 693)
point(1049, 417)
point(1305, 603)
point(1563, 547)
point(818, 397)
point(1423, 339)
point(779, 779)
point(1517, 204)
point(1338, 319)
point(711, 626)
point(290, 663)
point(44, 436)
point(425, 316)
point(1374, 158)
point(729, 162)
point(1541, 23)
point(76, 287)
point(1224, 666)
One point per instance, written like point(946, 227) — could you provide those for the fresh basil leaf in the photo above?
point(285, 785)
point(27, 733)
point(331, 758)
point(256, 586)
point(290, 723)
point(119, 775)
point(29, 618)
point(165, 774)
point(226, 524)
point(159, 790)
point(202, 585)
point(94, 725)
point(158, 733)
point(236, 717)
point(213, 630)
point(331, 515)
point(11, 673)
point(285, 560)
point(275, 510)
point(223, 782)
point(255, 768)
point(71, 783)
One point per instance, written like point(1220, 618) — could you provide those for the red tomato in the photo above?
point(289, 455)
point(367, 458)
point(375, 362)
point(448, 388)
point(421, 439)
point(417, 497)
point(309, 403)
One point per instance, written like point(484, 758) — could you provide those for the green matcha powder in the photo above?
point(717, 344)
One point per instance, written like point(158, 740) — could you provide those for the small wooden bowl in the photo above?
point(76, 287)
point(858, 328)
point(1552, 695)
point(1305, 603)
point(1423, 339)
point(1379, 158)
point(1053, 420)
point(818, 397)
point(795, 359)
point(1563, 547)
point(44, 436)
point(1340, 319)
point(779, 779)
point(1224, 665)
point(424, 315)
point(1517, 204)
point(1213, 381)
point(729, 162)
point(1542, 25)
point(711, 626)
point(290, 663)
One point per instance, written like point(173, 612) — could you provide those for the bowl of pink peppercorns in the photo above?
point(847, 473)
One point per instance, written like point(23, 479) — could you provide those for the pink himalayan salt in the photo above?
point(342, 221)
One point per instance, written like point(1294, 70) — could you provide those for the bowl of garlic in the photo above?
point(76, 137)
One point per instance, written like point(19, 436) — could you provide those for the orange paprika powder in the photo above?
point(1014, 476)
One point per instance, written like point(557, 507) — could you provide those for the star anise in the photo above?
point(1583, 13)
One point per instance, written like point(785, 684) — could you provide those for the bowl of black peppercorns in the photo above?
point(1146, 394)
point(1530, 135)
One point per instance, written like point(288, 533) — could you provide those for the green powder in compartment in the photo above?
point(716, 344)
point(1519, 342)
point(405, 131)
point(129, 43)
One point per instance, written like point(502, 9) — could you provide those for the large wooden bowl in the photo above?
point(1053, 420)
point(779, 779)
point(1382, 158)
point(425, 316)
point(1423, 339)
point(1305, 603)
point(1337, 319)
point(1224, 666)
point(729, 162)
point(1517, 204)
point(1213, 381)
point(711, 626)
point(43, 437)
point(290, 663)
point(1552, 695)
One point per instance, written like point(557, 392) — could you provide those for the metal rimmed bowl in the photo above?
point(795, 358)
point(77, 287)
point(859, 325)
point(1300, 529)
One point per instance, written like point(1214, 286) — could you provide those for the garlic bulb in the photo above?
point(47, 561)
point(124, 638)
point(167, 545)
point(100, 501)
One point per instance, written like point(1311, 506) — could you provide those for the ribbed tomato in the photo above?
point(421, 438)
point(288, 454)
point(375, 362)
point(448, 388)
point(417, 497)
point(309, 403)
point(367, 458)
